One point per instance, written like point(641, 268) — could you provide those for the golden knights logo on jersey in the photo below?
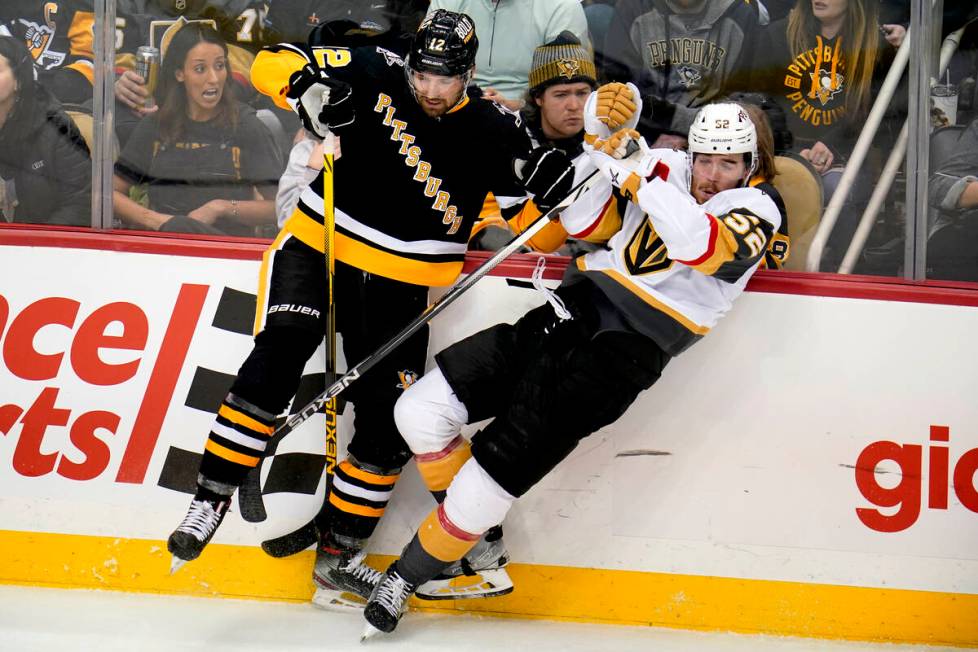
point(646, 252)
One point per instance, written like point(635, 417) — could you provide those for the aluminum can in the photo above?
point(148, 67)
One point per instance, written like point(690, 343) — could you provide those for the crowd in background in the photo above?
point(199, 150)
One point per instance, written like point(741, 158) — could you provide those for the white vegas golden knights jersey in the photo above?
point(672, 267)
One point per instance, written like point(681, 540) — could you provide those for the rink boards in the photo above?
point(808, 468)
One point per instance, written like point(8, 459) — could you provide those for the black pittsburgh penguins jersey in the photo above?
point(408, 187)
point(59, 36)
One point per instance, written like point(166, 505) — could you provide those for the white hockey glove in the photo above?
point(626, 160)
point(610, 108)
point(322, 103)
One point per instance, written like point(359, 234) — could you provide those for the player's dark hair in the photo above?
point(173, 94)
point(28, 92)
point(765, 142)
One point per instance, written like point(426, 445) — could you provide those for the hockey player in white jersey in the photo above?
point(683, 233)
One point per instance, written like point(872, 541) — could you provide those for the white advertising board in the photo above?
point(806, 439)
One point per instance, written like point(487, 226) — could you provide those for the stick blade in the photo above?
point(293, 542)
point(250, 500)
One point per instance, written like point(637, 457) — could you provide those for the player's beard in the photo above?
point(435, 107)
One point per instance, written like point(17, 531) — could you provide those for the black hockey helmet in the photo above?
point(445, 44)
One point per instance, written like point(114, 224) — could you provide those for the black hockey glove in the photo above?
point(547, 174)
point(323, 103)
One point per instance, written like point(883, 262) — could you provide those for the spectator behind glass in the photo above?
point(60, 39)
point(508, 32)
point(144, 22)
point(818, 64)
point(682, 54)
point(45, 168)
point(951, 250)
point(207, 161)
point(291, 21)
point(562, 77)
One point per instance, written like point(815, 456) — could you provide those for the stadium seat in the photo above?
point(801, 189)
point(81, 115)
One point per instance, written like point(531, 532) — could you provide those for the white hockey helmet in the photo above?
point(724, 128)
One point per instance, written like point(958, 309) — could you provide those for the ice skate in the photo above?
point(342, 577)
point(387, 603)
point(480, 574)
point(196, 530)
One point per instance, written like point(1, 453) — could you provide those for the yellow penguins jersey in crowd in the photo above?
point(672, 267)
point(59, 34)
point(408, 187)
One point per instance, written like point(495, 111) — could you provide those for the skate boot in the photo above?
point(387, 603)
point(197, 528)
point(479, 574)
point(342, 577)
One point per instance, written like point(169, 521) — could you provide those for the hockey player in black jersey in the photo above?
point(419, 157)
point(683, 234)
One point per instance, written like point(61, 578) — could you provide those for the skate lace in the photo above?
point(362, 571)
point(200, 520)
point(392, 592)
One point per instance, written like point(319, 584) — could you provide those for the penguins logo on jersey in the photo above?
point(689, 77)
point(391, 58)
point(407, 378)
point(568, 67)
point(826, 86)
point(38, 38)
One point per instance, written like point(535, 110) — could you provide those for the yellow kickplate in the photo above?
point(556, 592)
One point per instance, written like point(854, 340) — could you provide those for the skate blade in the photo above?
point(369, 631)
point(176, 564)
point(336, 600)
point(487, 584)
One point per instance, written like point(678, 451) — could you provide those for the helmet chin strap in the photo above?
point(466, 78)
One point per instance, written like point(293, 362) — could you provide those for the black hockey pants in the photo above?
point(369, 311)
point(548, 383)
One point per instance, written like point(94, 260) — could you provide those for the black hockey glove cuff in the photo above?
point(322, 103)
point(547, 174)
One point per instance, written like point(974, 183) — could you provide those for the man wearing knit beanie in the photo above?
point(562, 76)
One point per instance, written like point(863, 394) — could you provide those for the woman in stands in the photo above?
point(45, 168)
point(208, 164)
point(818, 64)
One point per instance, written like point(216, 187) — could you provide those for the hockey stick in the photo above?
point(329, 230)
point(250, 499)
point(300, 539)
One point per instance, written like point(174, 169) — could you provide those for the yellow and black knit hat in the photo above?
point(561, 61)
